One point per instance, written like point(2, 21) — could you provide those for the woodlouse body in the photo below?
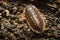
point(35, 19)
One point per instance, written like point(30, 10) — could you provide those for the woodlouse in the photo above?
point(35, 19)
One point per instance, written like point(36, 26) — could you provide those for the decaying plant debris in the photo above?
point(14, 27)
